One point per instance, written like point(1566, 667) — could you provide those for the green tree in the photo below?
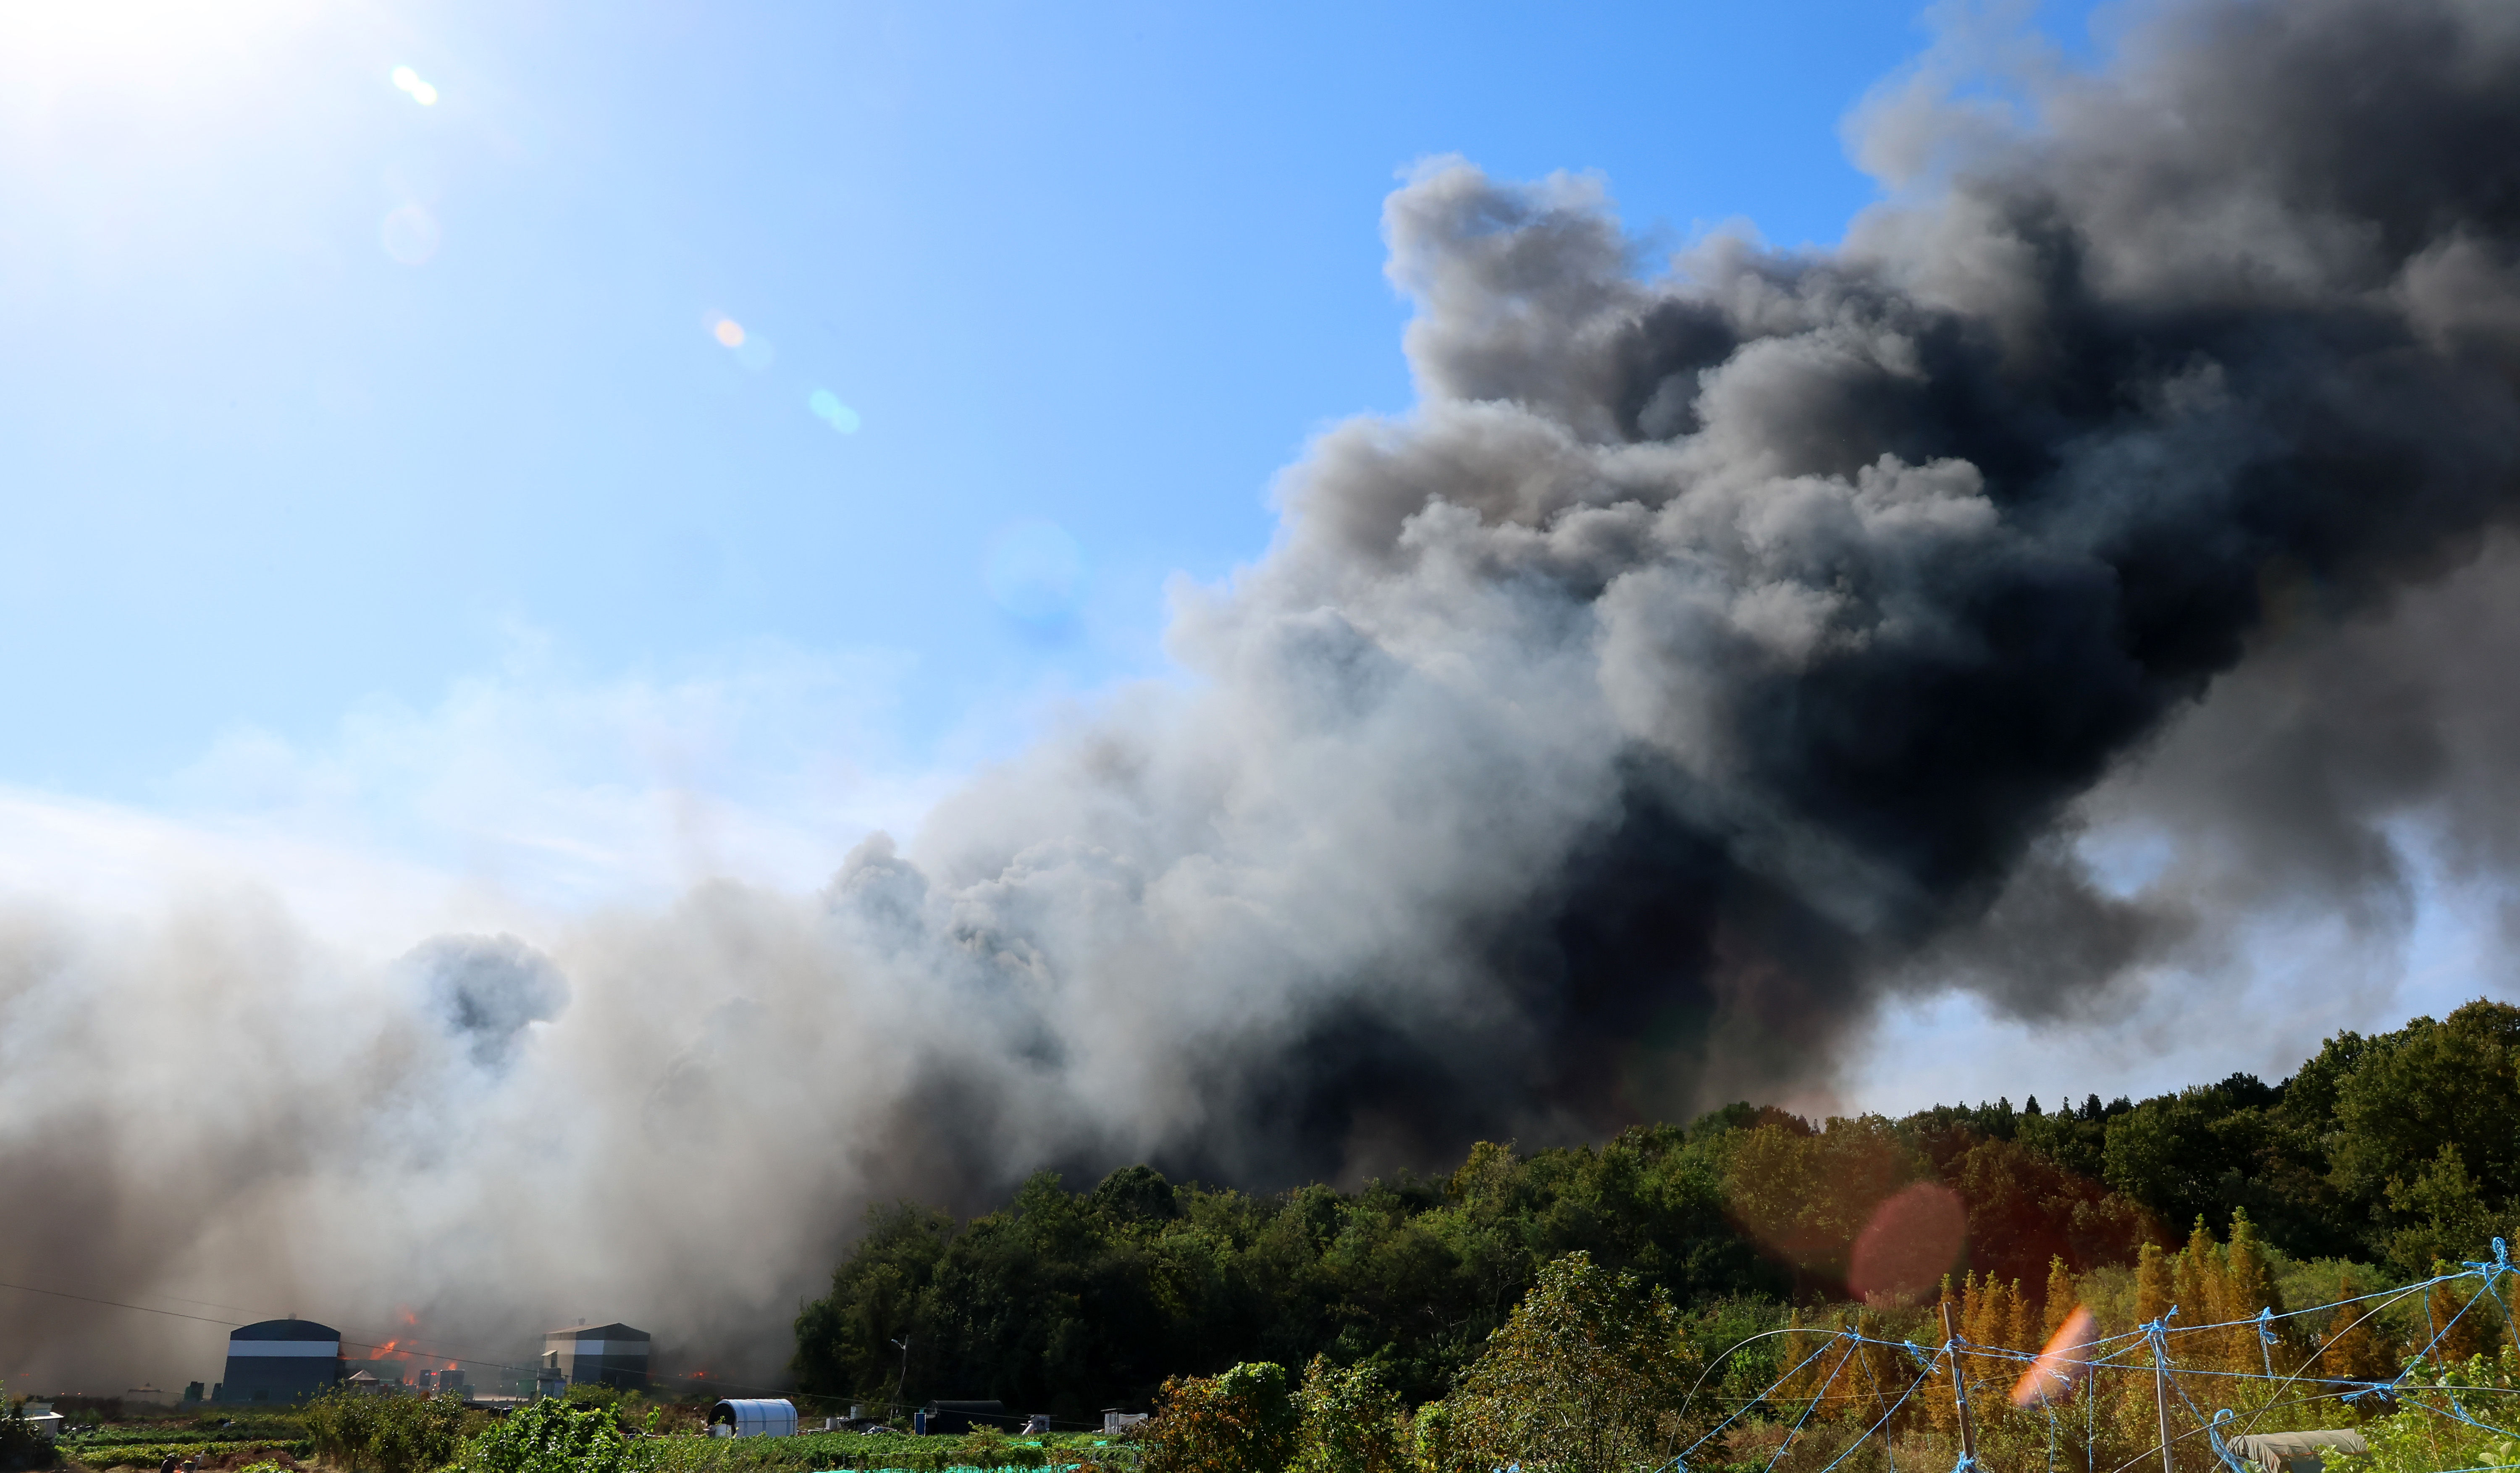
point(1350, 1421)
point(1587, 1376)
point(2432, 1084)
point(553, 1436)
point(1241, 1421)
point(2393, 1148)
point(1433, 1445)
point(2190, 1155)
point(20, 1445)
point(1804, 1194)
point(2440, 1214)
point(845, 1341)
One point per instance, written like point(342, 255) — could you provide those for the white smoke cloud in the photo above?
point(2010, 601)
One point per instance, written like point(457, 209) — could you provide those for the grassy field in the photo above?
point(827, 1452)
point(280, 1440)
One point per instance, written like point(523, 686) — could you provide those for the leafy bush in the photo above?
point(1238, 1423)
point(386, 1434)
point(20, 1445)
point(1351, 1421)
point(2436, 1426)
point(555, 1437)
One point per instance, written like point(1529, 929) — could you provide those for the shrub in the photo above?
point(553, 1436)
point(386, 1434)
point(2436, 1423)
point(1351, 1421)
point(1238, 1423)
point(20, 1445)
point(1434, 1445)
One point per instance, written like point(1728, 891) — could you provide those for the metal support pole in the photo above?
point(2161, 1393)
point(1960, 1386)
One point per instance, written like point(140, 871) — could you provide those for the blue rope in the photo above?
point(1853, 1340)
point(1924, 1376)
point(2114, 1353)
point(1763, 1395)
point(2213, 1435)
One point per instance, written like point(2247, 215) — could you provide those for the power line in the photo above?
point(120, 1305)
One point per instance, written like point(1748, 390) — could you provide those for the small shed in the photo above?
point(2295, 1452)
point(773, 1416)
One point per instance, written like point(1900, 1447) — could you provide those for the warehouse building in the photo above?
point(598, 1355)
point(281, 1361)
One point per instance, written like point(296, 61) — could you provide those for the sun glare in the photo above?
point(166, 49)
point(729, 332)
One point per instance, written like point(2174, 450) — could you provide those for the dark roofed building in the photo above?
point(281, 1361)
point(602, 1354)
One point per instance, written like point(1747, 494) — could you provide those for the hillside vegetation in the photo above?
point(2377, 1157)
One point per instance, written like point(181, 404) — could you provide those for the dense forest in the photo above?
point(2385, 1153)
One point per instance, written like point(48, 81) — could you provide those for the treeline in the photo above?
point(2385, 1152)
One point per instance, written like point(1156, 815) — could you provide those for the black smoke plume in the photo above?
point(1718, 649)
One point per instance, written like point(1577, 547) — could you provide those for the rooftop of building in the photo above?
point(285, 1329)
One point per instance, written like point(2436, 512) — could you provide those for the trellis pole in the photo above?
point(1959, 1388)
point(2161, 1390)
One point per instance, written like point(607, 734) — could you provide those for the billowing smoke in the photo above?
point(485, 989)
point(1714, 652)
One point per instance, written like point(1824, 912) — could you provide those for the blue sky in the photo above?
point(1103, 268)
point(698, 435)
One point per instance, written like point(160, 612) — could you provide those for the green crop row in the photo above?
point(850, 1453)
point(150, 1454)
point(135, 1437)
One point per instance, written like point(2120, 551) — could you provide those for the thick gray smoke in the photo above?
point(1713, 652)
point(485, 989)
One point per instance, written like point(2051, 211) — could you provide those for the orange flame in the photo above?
point(2065, 1361)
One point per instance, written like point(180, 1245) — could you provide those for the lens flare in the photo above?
point(409, 82)
point(1910, 1242)
point(729, 332)
point(826, 407)
point(2065, 1361)
point(410, 235)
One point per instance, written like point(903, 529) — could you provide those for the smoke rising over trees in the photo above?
point(1079, 1300)
point(1713, 652)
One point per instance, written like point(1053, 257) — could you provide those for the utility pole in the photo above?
point(1960, 1386)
